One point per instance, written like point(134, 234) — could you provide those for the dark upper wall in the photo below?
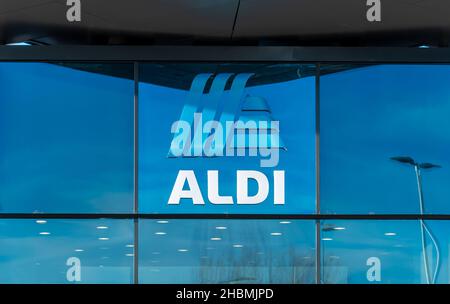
point(294, 22)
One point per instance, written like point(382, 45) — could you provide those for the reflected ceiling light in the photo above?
point(276, 233)
point(102, 227)
point(160, 233)
point(23, 43)
point(41, 222)
point(129, 255)
point(334, 257)
point(103, 238)
point(44, 233)
point(79, 250)
point(260, 253)
point(221, 228)
point(104, 258)
point(104, 248)
point(238, 246)
point(155, 252)
point(101, 266)
point(183, 250)
point(327, 239)
point(162, 222)
point(129, 246)
point(209, 248)
point(285, 222)
point(216, 239)
point(155, 261)
point(339, 228)
point(390, 234)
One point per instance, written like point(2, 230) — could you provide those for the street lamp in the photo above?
point(423, 226)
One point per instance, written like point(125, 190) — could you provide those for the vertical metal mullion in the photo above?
point(136, 150)
point(318, 239)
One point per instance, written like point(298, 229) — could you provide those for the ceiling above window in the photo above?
point(251, 22)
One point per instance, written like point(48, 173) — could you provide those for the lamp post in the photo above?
point(423, 226)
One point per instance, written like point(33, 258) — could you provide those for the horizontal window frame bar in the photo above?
point(185, 216)
point(131, 54)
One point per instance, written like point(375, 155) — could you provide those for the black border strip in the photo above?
point(225, 216)
point(225, 54)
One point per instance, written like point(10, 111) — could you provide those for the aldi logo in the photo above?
point(226, 123)
point(220, 123)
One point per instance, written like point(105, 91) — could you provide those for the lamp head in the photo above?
point(428, 166)
point(404, 160)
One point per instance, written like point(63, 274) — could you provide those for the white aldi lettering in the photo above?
point(242, 196)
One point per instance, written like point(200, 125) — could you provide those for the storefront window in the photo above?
point(376, 123)
point(227, 251)
point(66, 251)
point(192, 161)
point(66, 138)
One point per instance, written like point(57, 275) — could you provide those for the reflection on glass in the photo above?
point(378, 251)
point(370, 115)
point(175, 95)
point(65, 251)
point(226, 251)
point(66, 138)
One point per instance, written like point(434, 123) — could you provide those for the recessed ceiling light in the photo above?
point(102, 227)
point(238, 246)
point(221, 228)
point(79, 250)
point(41, 222)
point(44, 233)
point(160, 233)
point(129, 255)
point(216, 239)
point(327, 239)
point(276, 233)
point(390, 234)
point(285, 222)
point(129, 246)
point(162, 222)
point(183, 250)
point(103, 238)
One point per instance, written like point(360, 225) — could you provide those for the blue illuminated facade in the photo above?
point(89, 170)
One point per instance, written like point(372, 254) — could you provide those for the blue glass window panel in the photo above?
point(370, 114)
point(66, 139)
point(292, 102)
point(226, 251)
point(347, 246)
point(38, 252)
